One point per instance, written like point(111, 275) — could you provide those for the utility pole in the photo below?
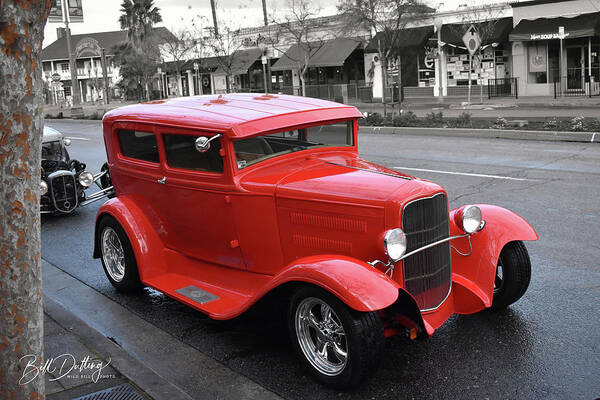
point(72, 63)
point(264, 4)
point(214, 15)
point(267, 67)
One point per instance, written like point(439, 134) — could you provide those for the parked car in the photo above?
point(222, 200)
point(63, 179)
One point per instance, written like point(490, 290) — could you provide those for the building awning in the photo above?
point(205, 64)
point(547, 28)
point(407, 38)
point(293, 58)
point(241, 61)
point(332, 53)
point(493, 31)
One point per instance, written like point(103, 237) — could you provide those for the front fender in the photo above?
point(473, 275)
point(356, 283)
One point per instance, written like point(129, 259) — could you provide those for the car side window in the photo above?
point(181, 153)
point(139, 145)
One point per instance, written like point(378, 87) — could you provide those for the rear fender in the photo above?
point(473, 275)
point(146, 244)
point(356, 283)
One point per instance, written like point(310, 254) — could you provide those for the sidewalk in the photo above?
point(80, 322)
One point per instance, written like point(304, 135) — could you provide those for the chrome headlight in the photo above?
point(471, 219)
point(43, 188)
point(86, 179)
point(394, 243)
point(67, 141)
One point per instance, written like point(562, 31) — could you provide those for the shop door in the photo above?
point(206, 86)
point(575, 70)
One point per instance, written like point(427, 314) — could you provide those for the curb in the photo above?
point(141, 376)
point(555, 136)
point(139, 344)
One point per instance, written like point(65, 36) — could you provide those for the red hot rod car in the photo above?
point(220, 200)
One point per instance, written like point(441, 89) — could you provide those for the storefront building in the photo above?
point(334, 71)
point(556, 47)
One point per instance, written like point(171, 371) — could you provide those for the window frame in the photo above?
point(129, 162)
point(316, 149)
point(129, 158)
point(198, 179)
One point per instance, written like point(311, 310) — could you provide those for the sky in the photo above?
point(102, 15)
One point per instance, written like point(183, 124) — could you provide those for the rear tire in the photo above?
point(513, 274)
point(339, 346)
point(118, 259)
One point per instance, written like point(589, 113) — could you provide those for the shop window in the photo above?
point(67, 90)
point(537, 61)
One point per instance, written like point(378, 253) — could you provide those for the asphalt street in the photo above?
point(547, 345)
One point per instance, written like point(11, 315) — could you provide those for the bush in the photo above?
point(405, 119)
point(374, 119)
point(500, 123)
point(434, 119)
point(463, 121)
point(591, 125)
point(576, 124)
point(552, 123)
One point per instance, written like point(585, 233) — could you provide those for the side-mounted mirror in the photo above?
point(202, 143)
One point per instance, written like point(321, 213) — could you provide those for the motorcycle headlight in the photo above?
point(394, 243)
point(86, 179)
point(43, 188)
point(471, 219)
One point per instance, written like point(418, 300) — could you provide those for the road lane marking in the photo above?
point(79, 138)
point(509, 178)
point(593, 136)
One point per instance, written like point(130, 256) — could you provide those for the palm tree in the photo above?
point(138, 18)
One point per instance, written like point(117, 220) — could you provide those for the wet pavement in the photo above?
point(544, 346)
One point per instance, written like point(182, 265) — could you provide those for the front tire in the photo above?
point(118, 259)
point(339, 346)
point(513, 274)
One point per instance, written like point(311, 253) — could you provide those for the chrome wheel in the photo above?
point(321, 336)
point(113, 254)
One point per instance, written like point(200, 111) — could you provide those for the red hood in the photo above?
point(350, 180)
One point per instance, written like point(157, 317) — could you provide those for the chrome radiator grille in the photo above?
point(63, 190)
point(428, 274)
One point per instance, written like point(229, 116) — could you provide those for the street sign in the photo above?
point(471, 39)
point(74, 9)
point(55, 77)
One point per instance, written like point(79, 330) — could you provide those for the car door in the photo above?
point(195, 198)
point(136, 167)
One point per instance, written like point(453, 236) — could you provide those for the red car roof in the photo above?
point(237, 115)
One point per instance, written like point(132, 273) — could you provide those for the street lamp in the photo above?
point(198, 83)
point(159, 70)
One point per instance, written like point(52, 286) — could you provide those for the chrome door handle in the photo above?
point(162, 181)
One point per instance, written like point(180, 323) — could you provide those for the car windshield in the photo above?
point(52, 150)
point(256, 149)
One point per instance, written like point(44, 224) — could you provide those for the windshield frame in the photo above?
point(353, 124)
point(60, 150)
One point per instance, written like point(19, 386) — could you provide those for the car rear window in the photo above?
point(181, 153)
point(139, 145)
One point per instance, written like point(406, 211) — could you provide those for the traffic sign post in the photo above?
point(472, 40)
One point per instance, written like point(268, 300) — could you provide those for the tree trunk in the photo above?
point(21, 313)
point(383, 63)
